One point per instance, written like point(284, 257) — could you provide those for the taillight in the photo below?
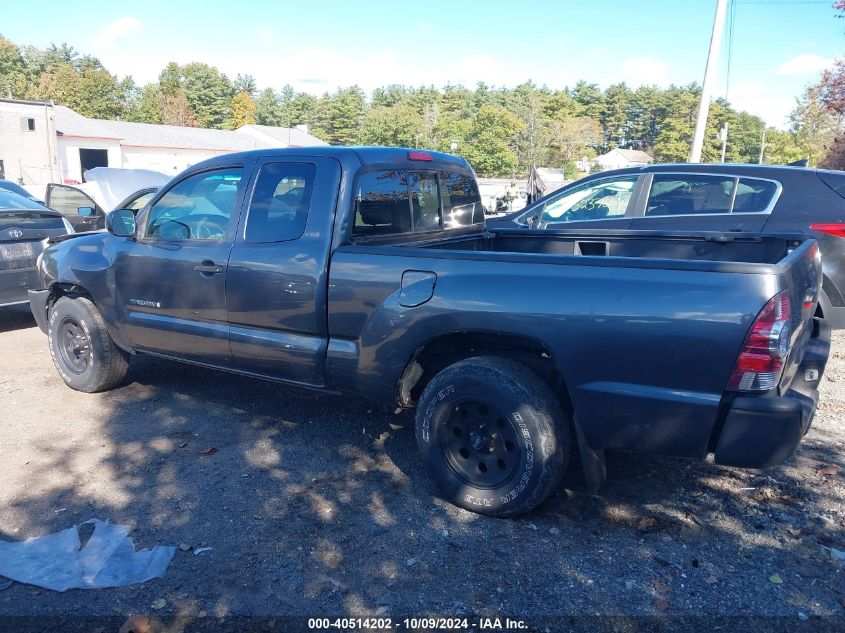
point(419, 156)
point(764, 353)
point(831, 229)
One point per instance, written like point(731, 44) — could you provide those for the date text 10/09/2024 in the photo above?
point(436, 624)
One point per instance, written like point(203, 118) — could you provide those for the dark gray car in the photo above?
point(696, 197)
point(25, 226)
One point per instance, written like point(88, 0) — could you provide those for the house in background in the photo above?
point(41, 143)
point(620, 158)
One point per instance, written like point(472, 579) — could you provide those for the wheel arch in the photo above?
point(441, 351)
point(73, 289)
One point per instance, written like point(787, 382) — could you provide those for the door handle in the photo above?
point(208, 268)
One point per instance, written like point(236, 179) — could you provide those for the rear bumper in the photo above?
point(763, 431)
point(14, 283)
point(38, 306)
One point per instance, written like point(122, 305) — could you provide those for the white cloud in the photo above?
point(762, 100)
point(265, 34)
point(804, 64)
point(645, 71)
point(119, 29)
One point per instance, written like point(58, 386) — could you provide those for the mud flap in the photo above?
point(592, 461)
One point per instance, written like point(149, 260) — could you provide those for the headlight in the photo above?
point(68, 226)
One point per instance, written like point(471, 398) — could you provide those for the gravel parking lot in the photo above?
point(318, 505)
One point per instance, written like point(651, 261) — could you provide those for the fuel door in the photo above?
point(417, 287)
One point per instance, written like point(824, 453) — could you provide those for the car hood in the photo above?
point(108, 186)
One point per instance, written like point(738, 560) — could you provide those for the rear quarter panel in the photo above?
point(645, 352)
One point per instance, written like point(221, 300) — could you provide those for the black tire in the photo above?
point(82, 350)
point(493, 435)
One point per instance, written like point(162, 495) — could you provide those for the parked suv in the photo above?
point(696, 197)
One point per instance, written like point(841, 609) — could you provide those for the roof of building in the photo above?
point(71, 123)
point(631, 155)
point(291, 136)
point(33, 102)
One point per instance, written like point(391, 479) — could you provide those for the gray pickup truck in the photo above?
point(371, 271)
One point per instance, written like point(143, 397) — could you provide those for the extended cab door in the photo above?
point(278, 269)
point(171, 281)
point(77, 206)
point(704, 202)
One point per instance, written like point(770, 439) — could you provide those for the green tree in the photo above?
point(646, 112)
point(245, 83)
point(590, 98)
point(573, 137)
point(614, 115)
point(243, 110)
point(815, 126)
point(208, 93)
point(92, 93)
point(148, 105)
point(397, 126)
point(782, 147)
point(13, 76)
point(339, 116)
point(490, 144)
point(526, 101)
point(267, 110)
point(674, 139)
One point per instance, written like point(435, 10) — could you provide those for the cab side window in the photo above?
point(278, 211)
point(197, 208)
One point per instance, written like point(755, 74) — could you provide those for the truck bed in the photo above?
point(687, 247)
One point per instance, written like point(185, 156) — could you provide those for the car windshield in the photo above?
point(10, 200)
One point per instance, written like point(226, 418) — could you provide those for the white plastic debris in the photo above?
point(59, 562)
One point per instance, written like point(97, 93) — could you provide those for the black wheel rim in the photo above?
point(74, 346)
point(479, 444)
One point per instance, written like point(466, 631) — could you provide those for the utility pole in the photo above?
point(723, 134)
point(709, 75)
point(762, 145)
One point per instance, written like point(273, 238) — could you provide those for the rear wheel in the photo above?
point(493, 436)
point(82, 350)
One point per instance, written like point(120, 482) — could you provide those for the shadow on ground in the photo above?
point(318, 504)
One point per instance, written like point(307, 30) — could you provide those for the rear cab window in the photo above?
point(400, 201)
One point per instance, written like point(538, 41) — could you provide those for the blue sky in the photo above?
point(779, 46)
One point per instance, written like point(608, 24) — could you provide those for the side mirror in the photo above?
point(85, 211)
point(121, 222)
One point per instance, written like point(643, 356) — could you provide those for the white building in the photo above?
point(620, 158)
point(28, 149)
point(63, 143)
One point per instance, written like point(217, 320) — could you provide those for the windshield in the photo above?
point(11, 200)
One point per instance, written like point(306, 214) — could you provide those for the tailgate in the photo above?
point(801, 275)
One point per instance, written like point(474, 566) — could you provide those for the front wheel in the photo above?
point(83, 352)
point(493, 435)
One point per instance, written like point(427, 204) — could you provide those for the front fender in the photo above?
point(85, 265)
